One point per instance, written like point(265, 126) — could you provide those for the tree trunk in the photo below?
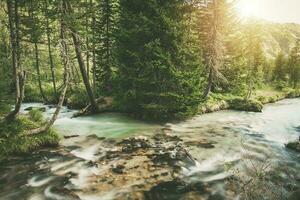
point(81, 61)
point(66, 64)
point(209, 84)
point(50, 53)
point(250, 90)
point(212, 60)
point(94, 52)
point(19, 76)
point(37, 64)
point(87, 40)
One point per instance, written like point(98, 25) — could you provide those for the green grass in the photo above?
point(12, 142)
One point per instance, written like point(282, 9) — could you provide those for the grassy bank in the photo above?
point(13, 143)
point(263, 96)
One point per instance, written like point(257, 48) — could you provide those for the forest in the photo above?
point(82, 77)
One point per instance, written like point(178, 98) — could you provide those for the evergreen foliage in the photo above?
point(155, 58)
point(158, 74)
point(107, 16)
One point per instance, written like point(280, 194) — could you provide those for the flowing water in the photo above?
point(238, 142)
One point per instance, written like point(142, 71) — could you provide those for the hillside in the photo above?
point(279, 37)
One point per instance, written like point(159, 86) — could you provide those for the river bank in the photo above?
point(261, 97)
point(216, 102)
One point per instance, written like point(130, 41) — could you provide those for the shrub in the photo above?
point(36, 115)
point(4, 107)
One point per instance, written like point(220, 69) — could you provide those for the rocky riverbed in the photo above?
point(223, 155)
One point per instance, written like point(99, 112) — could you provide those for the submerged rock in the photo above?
point(141, 163)
point(65, 193)
point(70, 136)
point(132, 144)
point(294, 146)
point(175, 189)
point(119, 169)
point(201, 144)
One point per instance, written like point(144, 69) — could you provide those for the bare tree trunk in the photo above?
point(214, 49)
point(209, 84)
point(66, 64)
point(250, 90)
point(94, 52)
point(81, 62)
point(37, 64)
point(87, 40)
point(18, 74)
point(50, 53)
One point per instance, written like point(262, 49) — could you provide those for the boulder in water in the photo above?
point(294, 146)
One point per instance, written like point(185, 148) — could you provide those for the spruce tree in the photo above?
point(215, 21)
point(107, 15)
point(158, 72)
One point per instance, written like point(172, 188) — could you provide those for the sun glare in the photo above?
point(247, 8)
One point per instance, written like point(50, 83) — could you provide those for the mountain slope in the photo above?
point(278, 37)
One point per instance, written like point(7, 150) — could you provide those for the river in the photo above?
point(236, 143)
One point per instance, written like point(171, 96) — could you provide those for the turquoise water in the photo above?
point(109, 125)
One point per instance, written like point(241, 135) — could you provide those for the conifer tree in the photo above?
point(107, 15)
point(158, 75)
point(214, 20)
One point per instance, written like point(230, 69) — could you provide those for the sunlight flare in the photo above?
point(247, 8)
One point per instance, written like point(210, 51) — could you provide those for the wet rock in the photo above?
point(201, 144)
point(216, 196)
point(70, 136)
point(294, 146)
point(42, 109)
point(175, 189)
point(162, 137)
point(66, 193)
point(173, 156)
point(119, 169)
point(141, 161)
point(130, 145)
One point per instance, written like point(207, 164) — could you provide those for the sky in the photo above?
point(282, 11)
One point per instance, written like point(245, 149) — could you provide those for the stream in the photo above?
point(223, 144)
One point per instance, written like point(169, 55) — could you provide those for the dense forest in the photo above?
point(154, 60)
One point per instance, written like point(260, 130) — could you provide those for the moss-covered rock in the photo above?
point(245, 105)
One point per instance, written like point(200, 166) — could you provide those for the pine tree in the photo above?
point(158, 73)
point(214, 21)
point(107, 15)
